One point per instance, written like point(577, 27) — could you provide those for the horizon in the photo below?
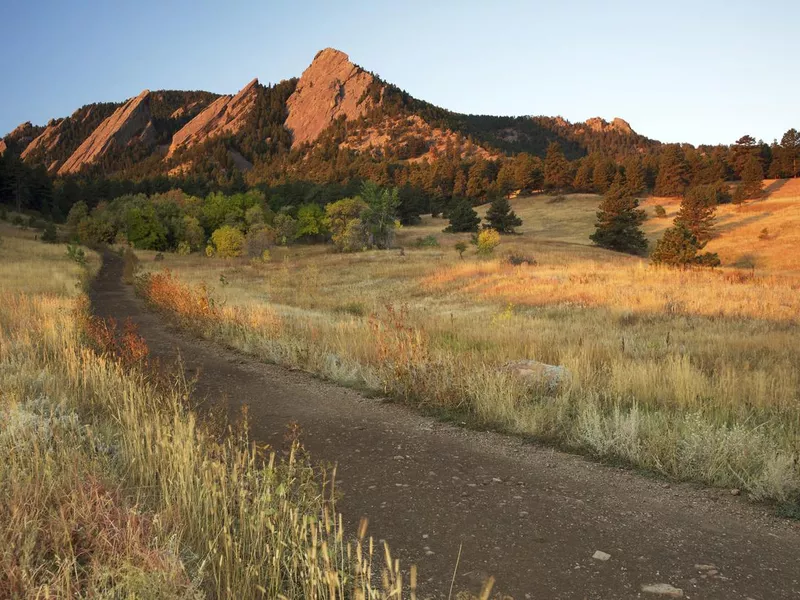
point(460, 73)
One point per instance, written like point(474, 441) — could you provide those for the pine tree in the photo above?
point(678, 247)
point(583, 176)
point(671, 179)
point(505, 179)
point(697, 212)
point(460, 184)
point(618, 221)
point(477, 182)
point(752, 178)
point(527, 171)
point(500, 216)
point(557, 174)
point(604, 172)
point(790, 143)
point(634, 176)
point(463, 218)
point(741, 151)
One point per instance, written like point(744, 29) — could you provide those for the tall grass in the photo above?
point(109, 487)
point(698, 380)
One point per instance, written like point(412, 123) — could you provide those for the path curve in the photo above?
point(528, 515)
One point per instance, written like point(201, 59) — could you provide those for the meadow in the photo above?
point(111, 488)
point(689, 374)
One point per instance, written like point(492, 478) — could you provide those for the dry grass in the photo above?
point(109, 487)
point(739, 240)
point(693, 374)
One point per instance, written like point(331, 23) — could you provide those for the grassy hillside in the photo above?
point(692, 374)
point(762, 234)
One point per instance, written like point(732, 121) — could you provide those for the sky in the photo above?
point(704, 71)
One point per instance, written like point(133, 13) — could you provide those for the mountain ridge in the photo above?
point(334, 101)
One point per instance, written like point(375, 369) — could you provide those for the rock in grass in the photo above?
point(600, 555)
point(534, 371)
point(662, 589)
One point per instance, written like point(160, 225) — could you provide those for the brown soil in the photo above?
point(532, 517)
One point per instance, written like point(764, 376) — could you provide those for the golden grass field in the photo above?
point(110, 488)
point(692, 374)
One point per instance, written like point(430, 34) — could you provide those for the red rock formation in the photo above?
point(47, 139)
point(226, 115)
point(599, 125)
point(23, 134)
point(328, 89)
point(125, 126)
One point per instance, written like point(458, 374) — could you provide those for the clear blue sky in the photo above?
point(704, 71)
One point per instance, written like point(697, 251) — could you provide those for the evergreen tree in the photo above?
point(790, 143)
point(557, 174)
point(752, 178)
point(604, 172)
point(463, 218)
point(500, 216)
point(678, 247)
point(634, 176)
point(460, 184)
point(741, 151)
point(671, 179)
point(528, 172)
point(478, 181)
point(583, 176)
point(697, 212)
point(505, 179)
point(618, 221)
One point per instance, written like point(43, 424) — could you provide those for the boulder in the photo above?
point(537, 372)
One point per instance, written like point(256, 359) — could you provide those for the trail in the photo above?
point(530, 516)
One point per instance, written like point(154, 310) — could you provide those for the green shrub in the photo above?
point(461, 247)
point(76, 253)
point(660, 211)
point(517, 258)
point(428, 241)
point(50, 235)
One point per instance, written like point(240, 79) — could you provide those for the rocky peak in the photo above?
point(600, 125)
point(47, 139)
point(621, 125)
point(125, 126)
point(329, 88)
point(226, 115)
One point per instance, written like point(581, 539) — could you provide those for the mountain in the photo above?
point(129, 124)
point(226, 115)
point(336, 113)
point(330, 88)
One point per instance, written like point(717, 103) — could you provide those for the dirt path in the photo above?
point(530, 516)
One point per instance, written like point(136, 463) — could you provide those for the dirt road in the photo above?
point(530, 516)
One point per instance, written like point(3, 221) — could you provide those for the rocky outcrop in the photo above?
point(599, 125)
point(125, 126)
point(226, 115)
point(46, 140)
point(21, 137)
point(331, 87)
